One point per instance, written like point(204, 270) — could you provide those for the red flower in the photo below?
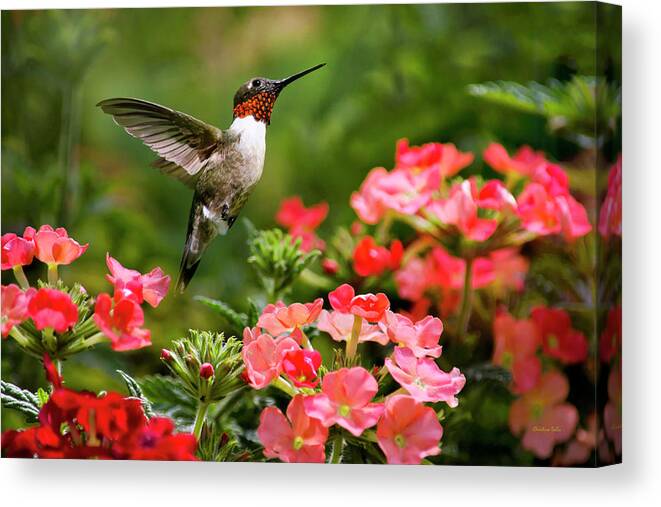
point(206, 370)
point(156, 441)
point(51, 308)
point(301, 222)
point(559, 339)
point(151, 287)
point(610, 341)
point(14, 306)
point(371, 259)
point(293, 213)
point(524, 162)
point(510, 270)
point(55, 246)
point(302, 367)
point(445, 158)
point(121, 324)
point(16, 251)
point(371, 307)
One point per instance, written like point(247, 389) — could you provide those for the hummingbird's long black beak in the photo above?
point(288, 80)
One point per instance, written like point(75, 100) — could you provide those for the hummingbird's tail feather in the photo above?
point(186, 272)
point(201, 232)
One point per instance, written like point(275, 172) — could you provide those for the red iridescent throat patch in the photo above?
point(259, 106)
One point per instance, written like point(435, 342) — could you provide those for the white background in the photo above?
point(636, 482)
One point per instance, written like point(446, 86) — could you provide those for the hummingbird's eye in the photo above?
point(256, 83)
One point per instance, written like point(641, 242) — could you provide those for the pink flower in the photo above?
point(537, 211)
point(50, 308)
point(450, 271)
point(16, 251)
point(345, 400)
point(460, 210)
point(573, 217)
point(515, 348)
point(408, 431)
point(421, 338)
point(55, 247)
point(293, 213)
point(524, 162)
point(370, 307)
point(371, 259)
point(510, 269)
point(401, 191)
point(443, 157)
point(610, 214)
point(559, 339)
point(552, 177)
point(542, 417)
point(494, 195)
point(302, 367)
point(151, 287)
point(296, 438)
point(423, 379)
point(414, 277)
point(263, 359)
point(339, 326)
point(543, 213)
point(14, 306)
point(121, 324)
point(279, 318)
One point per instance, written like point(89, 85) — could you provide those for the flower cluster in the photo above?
point(76, 425)
point(342, 404)
point(58, 320)
point(522, 346)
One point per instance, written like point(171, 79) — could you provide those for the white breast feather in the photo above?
point(252, 144)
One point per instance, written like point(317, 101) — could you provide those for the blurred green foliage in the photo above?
point(393, 72)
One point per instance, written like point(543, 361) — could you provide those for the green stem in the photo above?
point(336, 452)
point(382, 230)
point(49, 340)
point(467, 300)
point(22, 280)
point(201, 413)
point(316, 280)
point(52, 274)
point(306, 341)
point(284, 386)
point(352, 342)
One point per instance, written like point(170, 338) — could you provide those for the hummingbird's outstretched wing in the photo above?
point(183, 143)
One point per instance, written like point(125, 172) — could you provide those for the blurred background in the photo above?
point(392, 72)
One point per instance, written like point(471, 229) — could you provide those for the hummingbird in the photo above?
point(222, 167)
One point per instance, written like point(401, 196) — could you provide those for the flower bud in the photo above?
point(206, 370)
point(330, 266)
point(166, 355)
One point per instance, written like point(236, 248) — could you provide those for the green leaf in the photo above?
point(136, 392)
point(169, 398)
point(238, 321)
point(19, 399)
